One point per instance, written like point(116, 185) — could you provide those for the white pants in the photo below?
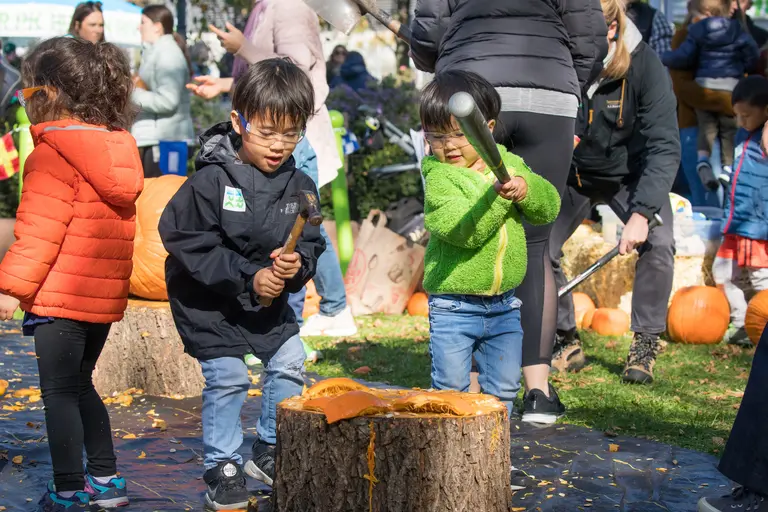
point(726, 273)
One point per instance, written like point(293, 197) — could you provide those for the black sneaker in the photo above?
point(567, 355)
point(741, 499)
point(519, 479)
point(707, 175)
point(540, 409)
point(262, 466)
point(641, 359)
point(226, 487)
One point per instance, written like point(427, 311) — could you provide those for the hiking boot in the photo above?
point(568, 355)
point(542, 409)
point(336, 326)
point(741, 500)
point(707, 175)
point(641, 358)
point(519, 479)
point(55, 502)
point(262, 465)
point(737, 336)
point(111, 494)
point(226, 487)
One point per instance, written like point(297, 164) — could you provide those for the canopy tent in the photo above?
point(43, 19)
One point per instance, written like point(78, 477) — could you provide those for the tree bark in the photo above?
point(144, 351)
point(420, 464)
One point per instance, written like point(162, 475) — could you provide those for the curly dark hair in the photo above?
point(92, 82)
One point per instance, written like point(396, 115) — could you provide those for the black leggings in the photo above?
point(546, 144)
point(75, 416)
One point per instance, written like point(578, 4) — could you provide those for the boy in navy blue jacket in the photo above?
point(721, 52)
point(223, 231)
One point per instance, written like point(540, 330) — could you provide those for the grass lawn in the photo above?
point(692, 403)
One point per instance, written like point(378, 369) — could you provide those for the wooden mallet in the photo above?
point(309, 211)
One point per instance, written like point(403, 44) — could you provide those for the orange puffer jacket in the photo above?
point(75, 224)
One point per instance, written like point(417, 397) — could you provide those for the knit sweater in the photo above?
point(477, 243)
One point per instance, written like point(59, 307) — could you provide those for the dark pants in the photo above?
point(75, 416)
point(655, 266)
point(151, 168)
point(717, 126)
point(546, 144)
point(745, 459)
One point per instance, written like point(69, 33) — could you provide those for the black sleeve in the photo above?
point(310, 246)
point(658, 134)
point(191, 233)
point(588, 34)
point(430, 20)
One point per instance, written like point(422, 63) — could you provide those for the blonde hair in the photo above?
point(613, 10)
point(712, 7)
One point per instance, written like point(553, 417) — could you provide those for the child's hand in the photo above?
point(8, 306)
point(267, 284)
point(514, 190)
point(285, 266)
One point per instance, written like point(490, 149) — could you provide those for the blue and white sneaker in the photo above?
point(53, 502)
point(112, 494)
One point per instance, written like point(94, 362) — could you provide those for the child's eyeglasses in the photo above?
point(269, 138)
point(24, 95)
point(439, 140)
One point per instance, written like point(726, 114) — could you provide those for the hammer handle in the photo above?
point(401, 30)
point(288, 248)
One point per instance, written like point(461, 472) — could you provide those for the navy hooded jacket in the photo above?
point(717, 48)
point(353, 73)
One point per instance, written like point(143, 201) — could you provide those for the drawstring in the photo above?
point(620, 122)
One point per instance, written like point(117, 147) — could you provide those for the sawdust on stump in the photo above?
point(144, 351)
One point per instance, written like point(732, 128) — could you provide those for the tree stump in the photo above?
point(392, 461)
point(144, 351)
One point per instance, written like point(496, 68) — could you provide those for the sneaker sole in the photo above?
point(253, 471)
point(111, 503)
point(331, 333)
point(212, 505)
point(541, 419)
point(704, 506)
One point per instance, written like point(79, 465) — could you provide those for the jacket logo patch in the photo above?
point(613, 104)
point(233, 199)
point(291, 208)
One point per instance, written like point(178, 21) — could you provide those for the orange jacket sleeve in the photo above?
point(45, 211)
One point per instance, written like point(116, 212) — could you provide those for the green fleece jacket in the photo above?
point(477, 243)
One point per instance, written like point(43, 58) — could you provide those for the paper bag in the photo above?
point(384, 271)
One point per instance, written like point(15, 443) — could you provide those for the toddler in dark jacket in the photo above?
point(721, 52)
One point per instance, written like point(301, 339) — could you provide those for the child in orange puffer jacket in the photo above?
point(71, 262)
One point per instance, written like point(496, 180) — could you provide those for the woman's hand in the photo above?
point(514, 190)
point(635, 233)
point(8, 306)
point(232, 41)
point(139, 83)
point(206, 87)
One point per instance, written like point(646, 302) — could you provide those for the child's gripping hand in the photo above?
point(267, 284)
point(8, 306)
point(514, 190)
point(285, 266)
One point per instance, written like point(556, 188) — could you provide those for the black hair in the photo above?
point(82, 11)
point(275, 90)
point(434, 112)
point(752, 90)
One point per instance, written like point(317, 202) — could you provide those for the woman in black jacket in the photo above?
point(539, 54)
point(627, 158)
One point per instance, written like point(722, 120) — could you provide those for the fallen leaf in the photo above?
point(718, 441)
point(13, 407)
point(3, 386)
point(125, 400)
point(254, 392)
point(662, 470)
point(129, 436)
point(18, 459)
point(151, 412)
point(613, 448)
point(363, 370)
point(610, 433)
point(611, 344)
point(24, 393)
point(142, 455)
point(34, 398)
point(145, 334)
point(355, 348)
point(158, 423)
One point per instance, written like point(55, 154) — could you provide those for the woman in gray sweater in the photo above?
point(161, 92)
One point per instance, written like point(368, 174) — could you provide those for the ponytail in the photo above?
point(183, 46)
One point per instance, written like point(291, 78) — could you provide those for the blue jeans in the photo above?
point(700, 196)
point(489, 328)
point(226, 387)
point(328, 279)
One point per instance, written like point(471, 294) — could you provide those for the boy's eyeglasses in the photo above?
point(439, 140)
point(24, 95)
point(268, 137)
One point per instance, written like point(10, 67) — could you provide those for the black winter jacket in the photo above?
point(631, 134)
point(537, 44)
point(219, 230)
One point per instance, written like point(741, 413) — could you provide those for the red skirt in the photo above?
point(747, 252)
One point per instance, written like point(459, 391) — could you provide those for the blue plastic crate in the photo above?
point(173, 157)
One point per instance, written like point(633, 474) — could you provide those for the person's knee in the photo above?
point(660, 245)
point(289, 359)
point(226, 373)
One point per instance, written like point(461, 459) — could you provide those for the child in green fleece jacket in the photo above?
point(476, 254)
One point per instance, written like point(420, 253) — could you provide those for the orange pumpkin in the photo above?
point(586, 322)
point(148, 278)
point(311, 300)
point(757, 316)
point(582, 304)
point(610, 322)
point(418, 305)
point(352, 405)
point(333, 387)
point(698, 315)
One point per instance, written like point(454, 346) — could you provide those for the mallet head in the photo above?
point(310, 207)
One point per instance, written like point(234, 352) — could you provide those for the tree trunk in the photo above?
point(419, 464)
point(144, 351)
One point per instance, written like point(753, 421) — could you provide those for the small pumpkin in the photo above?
point(757, 316)
point(582, 304)
point(610, 322)
point(418, 305)
point(586, 321)
point(311, 300)
point(148, 277)
point(698, 315)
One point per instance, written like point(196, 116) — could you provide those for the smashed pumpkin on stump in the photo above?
point(344, 447)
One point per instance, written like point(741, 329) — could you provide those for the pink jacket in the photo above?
point(289, 28)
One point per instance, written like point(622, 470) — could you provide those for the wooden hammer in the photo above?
point(309, 211)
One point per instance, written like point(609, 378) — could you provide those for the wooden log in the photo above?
point(144, 351)
point(392, 461)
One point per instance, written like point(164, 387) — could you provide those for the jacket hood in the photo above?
point(715, 31)
point(219, 146)
point(108, 160)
